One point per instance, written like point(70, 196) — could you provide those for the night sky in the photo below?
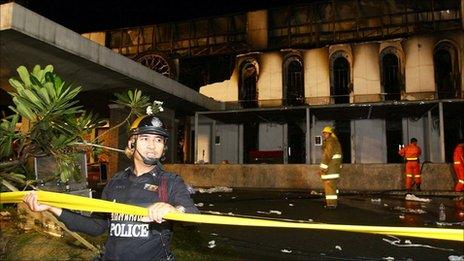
point(87, 16)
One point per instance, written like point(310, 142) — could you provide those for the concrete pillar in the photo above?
point(195, 150)
point(429, 136)
point(240, 144)
point(308, 137)
point(285, 142)
point(212, 158)
point(442, 132)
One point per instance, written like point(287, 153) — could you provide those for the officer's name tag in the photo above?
point(150, 187)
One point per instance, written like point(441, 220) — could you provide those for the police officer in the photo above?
point(146, 184)
point(331, 161)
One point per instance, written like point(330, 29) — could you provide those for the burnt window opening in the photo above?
point(294, 82)
point(391, 77)
point(340, 87)
point(196, 72)
point(447, 75)
point(248, 96)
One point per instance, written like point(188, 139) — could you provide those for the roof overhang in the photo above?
point(27, 38)
point(378, 110)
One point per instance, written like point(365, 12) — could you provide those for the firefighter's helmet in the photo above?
point(148, 124)
point(328, 129)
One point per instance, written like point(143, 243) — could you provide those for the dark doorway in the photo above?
point(394, 138)
point(391, 77)
point(343, 132)
point(296, 144)
point(294, 83)
point(454, 130)
point(248, 96)
point(446, 75)
point(250, 140)
point(340, 80)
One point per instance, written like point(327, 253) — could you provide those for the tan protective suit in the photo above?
point(330, 166)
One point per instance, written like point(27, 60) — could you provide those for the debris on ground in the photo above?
point(277, 212)
point(413, 197)
point(407, 243)
point(211, 244)
point(410, 210)
point(456, 258)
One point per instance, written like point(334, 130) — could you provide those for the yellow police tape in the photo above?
point(73, 202)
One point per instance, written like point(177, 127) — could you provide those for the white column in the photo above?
point(308, 137)
point(240, 144)
point(429, 135)
point(442, 132)
point(195, 150)
point(212, 157)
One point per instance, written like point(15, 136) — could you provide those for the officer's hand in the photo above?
point(31, 201)
point(157, 211)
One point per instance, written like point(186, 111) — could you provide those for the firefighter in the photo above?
point(331, 161)
point(458, 160)
point(145, 184)
point(411, 154)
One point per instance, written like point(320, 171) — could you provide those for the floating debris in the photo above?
point(291, 205)
point(286, 251)
point(407, 243)
point(210, 205)
point(211, 244)
point(413, 197)
point(388, 258)
point(199, 204)
point(338, 248)
point(450, 224)
point(411, 210)
point(214, 212)
point(376, 200)
point(270, 212)
point(456, 258)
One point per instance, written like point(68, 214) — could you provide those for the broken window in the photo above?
point(447, 74)
point(392, 80)
point(340, 78)
point(248, 96)
point(293, 81)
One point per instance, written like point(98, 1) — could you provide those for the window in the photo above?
point(447, 73)
point(293, 81)
point(340, 78)
point(248, 95)
point(391, 74)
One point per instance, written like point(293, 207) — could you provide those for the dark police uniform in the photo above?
point(129, 238)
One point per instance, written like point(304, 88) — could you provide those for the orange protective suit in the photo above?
point(411, 153)
point(458, 162)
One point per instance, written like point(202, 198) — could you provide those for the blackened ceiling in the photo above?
point(95, 15)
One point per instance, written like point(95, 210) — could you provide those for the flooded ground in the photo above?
point(296, 244)
point(218, 242)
